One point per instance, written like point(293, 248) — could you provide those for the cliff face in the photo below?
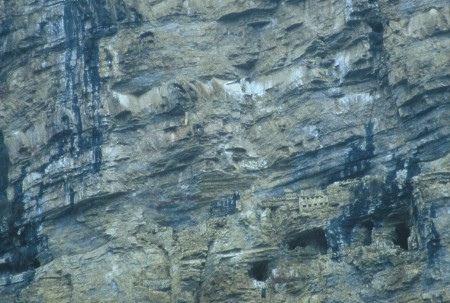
point(224, 151)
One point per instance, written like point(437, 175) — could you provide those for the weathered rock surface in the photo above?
point(224, 151)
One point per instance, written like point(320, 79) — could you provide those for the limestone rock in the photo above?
point(224, 151)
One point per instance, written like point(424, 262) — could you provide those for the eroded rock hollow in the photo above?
point(224, 151)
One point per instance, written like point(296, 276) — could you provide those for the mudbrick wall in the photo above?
point(224, 151)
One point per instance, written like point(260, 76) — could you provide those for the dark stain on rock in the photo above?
point(252, 13)
point(4, 167)
point(357, 163)
point(433, 244)
point(97, 139)
point(82, 73)
point(380, 203)
point(20, 242)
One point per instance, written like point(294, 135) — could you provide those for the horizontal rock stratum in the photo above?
point(224, 151)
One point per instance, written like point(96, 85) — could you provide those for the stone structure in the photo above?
point(312, 201)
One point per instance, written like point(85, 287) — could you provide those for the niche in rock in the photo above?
point(362, 234)
point(402, 233)
point(259, 271)
point(311, 241)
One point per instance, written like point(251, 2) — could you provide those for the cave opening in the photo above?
point(313, 241)
point(376, 26)
point(259, 271)
point(402, 233)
